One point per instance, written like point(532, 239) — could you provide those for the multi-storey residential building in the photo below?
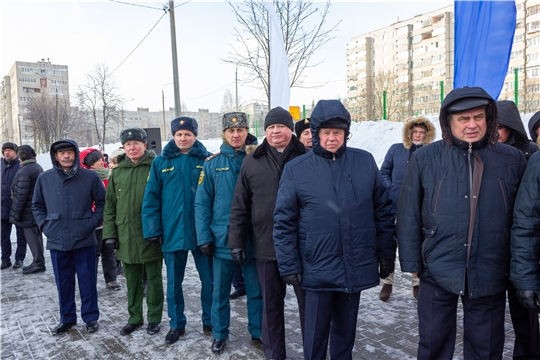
point(24, 81)
point(412, 63)
point(407, 60)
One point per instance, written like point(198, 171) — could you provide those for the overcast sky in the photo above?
point(82, 34)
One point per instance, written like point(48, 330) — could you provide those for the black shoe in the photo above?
point(237, 293)
point(92, 326)
point(218, 345)
point(34, 269)
point(62, 328)
point(256, 340)
point(113, 285)
point(5, 265)
point(173, 335)
point(18, 264)
point(129, 328)
point(153, 328)
point(207, 328)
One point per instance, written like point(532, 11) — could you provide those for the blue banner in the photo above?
point(484, 33)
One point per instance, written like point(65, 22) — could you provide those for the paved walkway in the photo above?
point(29, 311)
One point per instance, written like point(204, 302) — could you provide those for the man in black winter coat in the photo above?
point(253, 204)
point(10, 166)
point(454, 216)
point(21, 209)
point(525, 322)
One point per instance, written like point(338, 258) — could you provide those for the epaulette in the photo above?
point(213, 156)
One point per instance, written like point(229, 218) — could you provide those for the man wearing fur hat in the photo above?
point(94, 160)
point(453, 219)
point(417, 132)
point(10, 166)
point(122, 230)
point(212, 213)
point(169, 219)
point(253, 205)
point(62, 207)
point(303, 131)
point(21, 210)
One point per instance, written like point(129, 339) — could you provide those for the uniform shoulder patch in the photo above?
point(201, 177)
point(213, 156)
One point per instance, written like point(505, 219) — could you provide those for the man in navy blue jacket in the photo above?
point(10, 166)
point(62, 208)
point(453, 229)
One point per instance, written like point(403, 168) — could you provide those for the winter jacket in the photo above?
point(453, 224)
point(509, 117)
point(255, 198)
point(9, 169)
point(123, 210)
point(214, 197)
point(23, 191)
point(62, 204)
point(525, 243)
point(333, 217)
point(168, 204)
point(397, 158)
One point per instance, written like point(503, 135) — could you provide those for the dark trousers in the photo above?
point(334, 314)
point(108, 258)
point(483, 324)
point(65, 265)
point(238, 279)
point(35, 243)
point(135, 287)
point(526, 328)
point(20, 253)
point(273, 324)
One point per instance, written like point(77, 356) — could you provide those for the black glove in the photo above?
point(158, 240)
point(386, 267)
point(529, 299)
point(111, 243)
point(238, 255)
point(207, 249)
point(294, 280)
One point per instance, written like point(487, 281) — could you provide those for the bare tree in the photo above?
point(371, 98)
point(52, 118)
point(99, 97)
point(301, 42)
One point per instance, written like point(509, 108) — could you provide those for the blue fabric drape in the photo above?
point(484, 33)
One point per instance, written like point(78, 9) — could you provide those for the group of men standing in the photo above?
point(322, 218)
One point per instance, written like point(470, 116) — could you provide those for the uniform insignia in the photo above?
point(234, 120)
point(212, 156)
point(306, 121)
point(181, 122)
point(201, 177)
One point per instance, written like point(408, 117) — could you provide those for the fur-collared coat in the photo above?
point(398, 156)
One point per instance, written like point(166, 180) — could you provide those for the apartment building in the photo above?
point(409, 65)
point(25, 81)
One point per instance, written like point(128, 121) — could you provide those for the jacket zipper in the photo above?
point(470, 204)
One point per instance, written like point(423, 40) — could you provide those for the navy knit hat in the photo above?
point(184, 123)
point(9, 145)
point(133, 134)
point(279, 115)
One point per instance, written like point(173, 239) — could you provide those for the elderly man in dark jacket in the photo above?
point(21, 210)
point(62, 207)
point(253, 203)
point(525, 322)
point(10, 166)
point(454, 216)
point(534, 126)
point(333, 226)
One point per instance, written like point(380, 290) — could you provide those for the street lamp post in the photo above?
point(163, 106)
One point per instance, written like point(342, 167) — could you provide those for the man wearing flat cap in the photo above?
point(62, 207)
point(122, 230)
point(169, 219)
point(212, 212)
point(253, 204)
point(454, 219)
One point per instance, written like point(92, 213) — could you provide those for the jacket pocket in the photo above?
point(436, 199)
point(428, 233)
point(503, 196)
point(51, 225)
point(83, 224)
